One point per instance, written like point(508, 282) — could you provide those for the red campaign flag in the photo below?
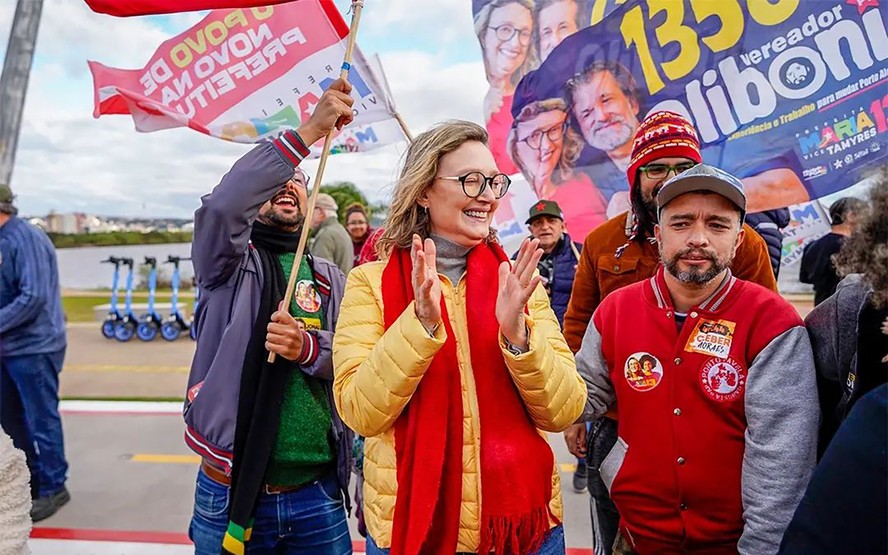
point(129, 8)
point(249, 74)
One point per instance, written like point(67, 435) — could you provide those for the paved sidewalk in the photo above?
point(98, 368)
point(132, 479)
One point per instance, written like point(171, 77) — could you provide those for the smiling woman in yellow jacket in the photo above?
point(451, 362)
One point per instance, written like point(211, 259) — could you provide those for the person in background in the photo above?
point(560, 255)
point(451, 363)
point(817, 266)
point(15, 499)
point(331, 240)
point(847, 328)
point(276, 457)
point(554, 21)
point(357, 223)
point(32, 352)
point(715, 443)
point(623, 251)
point(368, 251)
point(845, 508)
point(557, 267)
point(769, 224)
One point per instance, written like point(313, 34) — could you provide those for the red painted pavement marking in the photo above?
point(171, 538)
point(85, 534)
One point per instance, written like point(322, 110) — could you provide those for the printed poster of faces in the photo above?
point(554, 150)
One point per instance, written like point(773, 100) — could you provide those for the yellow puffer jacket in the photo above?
point(377, 372)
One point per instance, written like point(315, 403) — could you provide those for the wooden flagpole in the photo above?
point(404, 128)
point(357, 6)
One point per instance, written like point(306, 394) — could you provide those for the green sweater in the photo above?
point(304, 450)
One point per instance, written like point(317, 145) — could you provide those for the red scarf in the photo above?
point(516, 462)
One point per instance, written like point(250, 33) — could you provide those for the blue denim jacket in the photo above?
point(230, 276)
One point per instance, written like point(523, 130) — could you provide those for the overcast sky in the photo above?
point(67, 161)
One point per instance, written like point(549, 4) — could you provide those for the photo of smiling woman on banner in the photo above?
point(787, 96)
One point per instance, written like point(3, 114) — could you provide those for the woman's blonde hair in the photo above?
point(405, 216)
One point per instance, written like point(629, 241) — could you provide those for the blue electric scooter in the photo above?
point(114, 314)
point(175, 323)
point(151, 322)
point(126, 326)
point(193, 325)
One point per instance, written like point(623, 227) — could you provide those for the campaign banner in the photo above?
point(790, 96)
point(243, 75)
point(809, 222)
point(129, 8)
point(363, 138)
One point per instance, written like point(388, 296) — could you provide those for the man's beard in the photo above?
point(695, 276)
point(612, 138)
point(276, 219)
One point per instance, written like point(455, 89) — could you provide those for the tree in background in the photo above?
point(344, 193)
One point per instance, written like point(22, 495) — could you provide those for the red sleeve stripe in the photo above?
point(310, 349)
point(291, 146)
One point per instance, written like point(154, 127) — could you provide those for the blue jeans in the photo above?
point(553, 545)
point(29, 412)
point(308, 521)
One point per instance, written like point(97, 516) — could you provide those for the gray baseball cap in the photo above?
point(703, 178)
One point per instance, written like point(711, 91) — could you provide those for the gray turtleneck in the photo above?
point(451, 258)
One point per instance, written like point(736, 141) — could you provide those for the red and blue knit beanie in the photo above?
point(661, 135)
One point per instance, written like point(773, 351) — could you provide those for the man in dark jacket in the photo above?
point(817, 267)
point(276, 455)
point(769, 224)
point(559, 262)
point(32, 350)
point(557, 267)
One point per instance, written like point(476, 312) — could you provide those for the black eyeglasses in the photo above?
point(659, 171)
point(474, 183)
point(506, 32)
point(554, 134)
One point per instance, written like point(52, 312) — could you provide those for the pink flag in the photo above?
point(127, 8)
point(244, 75)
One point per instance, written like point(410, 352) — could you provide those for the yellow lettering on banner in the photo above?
point(181, 55)
point(236, 17)
point(200, 46)
point(216, 32)
point(598, 8)
point(769, 12)
point(632, 29)
point(730, 18)
point(263, 13)
point(674, 30)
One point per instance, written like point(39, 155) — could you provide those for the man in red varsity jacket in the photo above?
point(717, 443)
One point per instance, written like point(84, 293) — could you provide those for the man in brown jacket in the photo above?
point(623, 251)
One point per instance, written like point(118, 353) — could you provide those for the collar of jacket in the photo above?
point(720, 298)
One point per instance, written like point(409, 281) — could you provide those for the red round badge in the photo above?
point(643, 371)
point(723, 380)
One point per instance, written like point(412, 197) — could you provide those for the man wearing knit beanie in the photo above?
point(622, 251)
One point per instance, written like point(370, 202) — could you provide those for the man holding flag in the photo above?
point(276, 455)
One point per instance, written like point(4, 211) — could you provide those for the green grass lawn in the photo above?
point(80, 308)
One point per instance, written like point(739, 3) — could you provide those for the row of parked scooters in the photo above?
point(124, 324)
